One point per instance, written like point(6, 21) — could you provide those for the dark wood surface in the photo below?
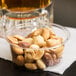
point(8, 68)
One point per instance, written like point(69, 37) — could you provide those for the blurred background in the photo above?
point(65, 12)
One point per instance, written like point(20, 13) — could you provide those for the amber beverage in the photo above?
point(0, 10)
point(24, 5)
point(0, 4)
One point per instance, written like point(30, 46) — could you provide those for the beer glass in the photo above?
point(0, 4)
point(0, 14)
point(39, 12)
point(2, 30)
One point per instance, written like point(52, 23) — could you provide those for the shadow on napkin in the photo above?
point(7, 68)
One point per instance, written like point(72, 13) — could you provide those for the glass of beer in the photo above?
point(0, 14)
point(39, 12)
point(2, 30)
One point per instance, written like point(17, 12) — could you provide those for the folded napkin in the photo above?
point(7, 68)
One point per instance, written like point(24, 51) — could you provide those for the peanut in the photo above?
point(40, 64)
point(29, 60)
point(34, 54)
point(16, 49)
point(46, 33)
point(20, 59)
point(31, 66)
point(38, 54)
point(59, 49)
point(19, 37)
point(23, 44)
point(12, 40)
point(37, 32)
point(51, 32)
point(34, 46)
point(39, 40)
point(53, 42)
point(29, 53)
point(28, 40)
point(60, 54)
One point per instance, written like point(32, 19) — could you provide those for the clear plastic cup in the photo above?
point(33, 48)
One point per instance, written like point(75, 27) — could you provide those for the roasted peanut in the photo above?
point(57, 38)
point(28, 40)
point(23, 44)
point(52, 32)
point(46, 33)
point(34, 54)
point(59, 49)
point(34, 46)
point(37, 32)
point(39, 40)
point(17, 62)
point(59, 54)
point(30, 35)
point(29, 53)
point(29, 60)
point(20, 59)
point(52, 36)
point(16, 49)
point(31, 66)
point(19, 37)
point(41, 64)
point(12, 40)
point(38, 54)
point(53, 42)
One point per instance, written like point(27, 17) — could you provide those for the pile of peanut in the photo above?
point(26, 51)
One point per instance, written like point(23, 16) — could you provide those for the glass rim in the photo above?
point(66, 32)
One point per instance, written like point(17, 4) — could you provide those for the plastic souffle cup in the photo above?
point(37, 47)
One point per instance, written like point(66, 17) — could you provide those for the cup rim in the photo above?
point(66, 32)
